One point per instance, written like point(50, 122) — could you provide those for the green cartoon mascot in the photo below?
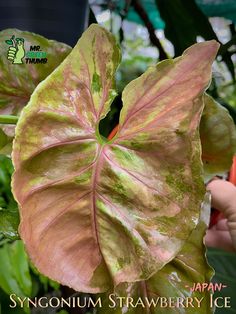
point(16, 51)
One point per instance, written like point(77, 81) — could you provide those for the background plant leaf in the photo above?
point(9, 215)
point(218, 138)
point(224, 265)
point(18, 276)
point(14, 271)
point(9, 221)
point(3, 139)
point(5, 142)
point(174, 279)
point(18, 82)
point(4, 305)
point(110, 212)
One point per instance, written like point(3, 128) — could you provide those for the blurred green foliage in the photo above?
point(224, 264)
point(134, 62)
point(9, 216)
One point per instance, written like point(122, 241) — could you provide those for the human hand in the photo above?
point(223, 233)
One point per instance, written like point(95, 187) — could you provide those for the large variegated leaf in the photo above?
point(218, 138)
point(97, 213)
point(169, 290)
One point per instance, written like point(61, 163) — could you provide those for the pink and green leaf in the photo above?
point(110, 211)
point(218, 138)
point(18, 81)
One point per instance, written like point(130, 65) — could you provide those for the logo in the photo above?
point(16, 53)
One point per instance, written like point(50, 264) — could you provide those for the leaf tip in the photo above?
point(206, 49)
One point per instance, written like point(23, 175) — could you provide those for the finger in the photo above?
point(11, 54)
point(219, 239)
point(12, 49)
point(232, 228)
point(222, 225)
point(223, 196)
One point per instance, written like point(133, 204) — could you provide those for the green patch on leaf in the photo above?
point(96, 83)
